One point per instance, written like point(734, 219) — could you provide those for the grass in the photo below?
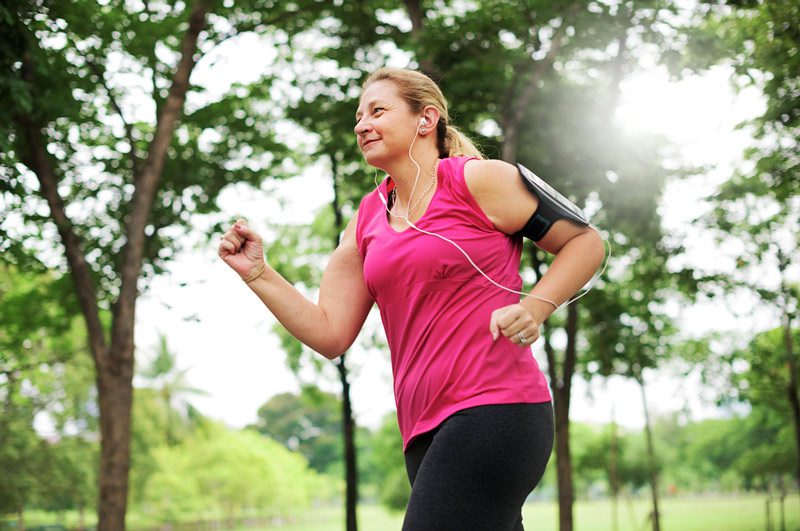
point(717, 513)
point(740, 513)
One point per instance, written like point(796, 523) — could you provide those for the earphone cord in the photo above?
point(423, 231)
point(556, 306)
point(416, 180)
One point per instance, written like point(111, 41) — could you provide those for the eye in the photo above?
point(378, 110)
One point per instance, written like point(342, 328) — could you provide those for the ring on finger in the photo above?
point(522, 339)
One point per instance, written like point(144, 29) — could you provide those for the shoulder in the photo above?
point(498, 189)
point(486, 173)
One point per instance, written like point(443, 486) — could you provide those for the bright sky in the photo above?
point(238, 361)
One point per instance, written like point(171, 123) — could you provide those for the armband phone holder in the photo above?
point(552, 206)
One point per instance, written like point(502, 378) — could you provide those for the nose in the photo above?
point(361, 127)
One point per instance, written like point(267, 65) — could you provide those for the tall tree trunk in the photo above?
point(351, 473)
point(613, 473)
point(417, 15)
point(792, 390)
point(351, 470)
point(563, 458)
point(528, 75)
point(792, 387)
point(515, 105)
point(561, 384)
point(115, 395)
point(651, 455)
point(562, 387)
point(114, 362)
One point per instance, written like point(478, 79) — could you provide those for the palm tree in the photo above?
point(169, 383)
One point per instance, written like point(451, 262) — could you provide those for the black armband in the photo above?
point(552, 207)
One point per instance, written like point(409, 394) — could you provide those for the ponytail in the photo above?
point(456, 144)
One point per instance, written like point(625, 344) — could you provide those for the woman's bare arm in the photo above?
point(578, 250)
point(332, 324)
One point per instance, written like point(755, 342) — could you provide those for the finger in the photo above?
point(530, 334)
point(241, 229)
point(234, 240)
point(494, 326)
point(510, 323)
point(518, 338)
point(226, 247)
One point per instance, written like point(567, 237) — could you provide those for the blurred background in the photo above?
point(143, 385)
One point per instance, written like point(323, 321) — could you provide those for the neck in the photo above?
point(404, 173)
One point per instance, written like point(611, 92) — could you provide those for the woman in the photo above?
point(430, 246)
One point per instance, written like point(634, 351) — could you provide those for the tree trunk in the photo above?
point(516, 103)
point(563, 458)
point(513, 114)
point(21, 519)
point(792, 390)
point(417, 15)
point(115, 394)
point(651, 456)
point(351, 470)
point(613, 474)
point(788, 346)
point(562, 386)
point(351, 473)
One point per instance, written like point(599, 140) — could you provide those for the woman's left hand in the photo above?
point(516, 323)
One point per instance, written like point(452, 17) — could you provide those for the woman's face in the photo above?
point(385, 126)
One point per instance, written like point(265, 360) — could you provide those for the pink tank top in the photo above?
point(436, 307)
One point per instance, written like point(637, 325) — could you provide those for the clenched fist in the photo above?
point(515, 323)
point(242, 250)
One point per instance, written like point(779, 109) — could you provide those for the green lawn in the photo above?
point(744, 513)
point(678, 514)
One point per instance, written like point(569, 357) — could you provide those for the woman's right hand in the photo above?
point(241, 249)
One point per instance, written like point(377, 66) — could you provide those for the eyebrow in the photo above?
point(369, 104)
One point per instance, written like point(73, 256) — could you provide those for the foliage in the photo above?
point(223, 473)
point(309, 423)
point(43, 375)
point(765, 384)
point(387, 446)
point(169, 382)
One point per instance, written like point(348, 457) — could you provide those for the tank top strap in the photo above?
point(452, 171)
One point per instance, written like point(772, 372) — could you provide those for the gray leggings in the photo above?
point(474, 471)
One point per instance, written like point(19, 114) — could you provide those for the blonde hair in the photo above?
point(419, 91)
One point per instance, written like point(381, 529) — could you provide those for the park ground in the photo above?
point(706, 513)
point(744, 513)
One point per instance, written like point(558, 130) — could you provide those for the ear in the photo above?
point(431, 116)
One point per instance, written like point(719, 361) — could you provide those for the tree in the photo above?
point(390, 467)
point(42, 118)
point(118, 167)
point(71, 472)
point(41, 375)
point(170, 384)
point(309, 423)
point(759, 205)
point(765, 385)
point(224, 475)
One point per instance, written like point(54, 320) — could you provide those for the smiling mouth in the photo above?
point(368, 142)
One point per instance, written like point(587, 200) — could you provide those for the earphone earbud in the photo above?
point(423, 122)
